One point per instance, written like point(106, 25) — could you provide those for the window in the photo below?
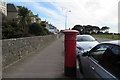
point(110, 60)
point(116, 50)
point(98, 51)
point(85, 38)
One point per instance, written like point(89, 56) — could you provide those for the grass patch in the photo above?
point(108, 36)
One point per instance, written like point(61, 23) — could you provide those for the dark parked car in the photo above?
point(102, 61)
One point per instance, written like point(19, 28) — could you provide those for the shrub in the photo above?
point(11, 30)
point(37, 29)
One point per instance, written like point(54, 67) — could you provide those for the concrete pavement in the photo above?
point(48, 63)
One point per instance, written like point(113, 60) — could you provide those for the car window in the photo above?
point(85, 38)
point(110, 60)
point(116, 50)
point(98, 51)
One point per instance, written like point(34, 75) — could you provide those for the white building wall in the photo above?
point(3, 7)
point(33, 20)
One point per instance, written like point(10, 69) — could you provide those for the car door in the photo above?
point(110, 62)
point(89, 63)
point(101, 61)
point(91, 67)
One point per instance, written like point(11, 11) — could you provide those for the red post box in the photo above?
point(70, 53)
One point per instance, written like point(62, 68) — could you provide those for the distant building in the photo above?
point(38, 20)
point(34, 18)
point(3, 7)
point(50, 27)
point(53, 29)
point(31, 15)
point(45, 24)
point(12, 12)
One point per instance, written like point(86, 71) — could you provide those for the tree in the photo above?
point(25, 20)
point(88, 29)
point(105, 29)
point(78, 28)
point(95, 29)
point(24, 14)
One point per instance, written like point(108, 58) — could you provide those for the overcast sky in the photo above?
point(84, 12)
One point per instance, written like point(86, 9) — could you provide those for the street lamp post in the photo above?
point(66, 19)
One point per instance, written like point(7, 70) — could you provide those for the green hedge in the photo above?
point(108, 36)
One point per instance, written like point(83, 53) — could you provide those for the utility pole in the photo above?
point(66, 19)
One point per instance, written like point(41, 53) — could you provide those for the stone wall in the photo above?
point(15, 49)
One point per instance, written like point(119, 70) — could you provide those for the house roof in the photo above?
point(11, 8)
point(38, 18)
